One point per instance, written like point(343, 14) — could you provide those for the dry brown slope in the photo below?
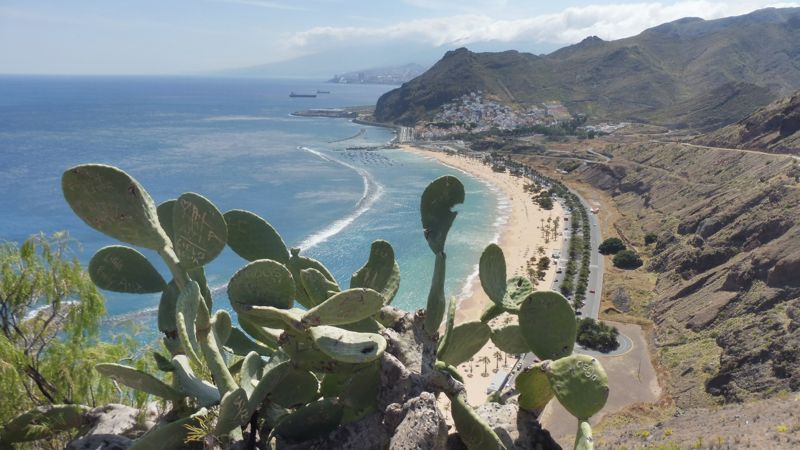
point(774, 128)
point(727, 305)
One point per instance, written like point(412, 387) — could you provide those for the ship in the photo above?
point(323, 92)
point(294, 94)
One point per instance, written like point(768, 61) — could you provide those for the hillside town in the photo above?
point(475, 113)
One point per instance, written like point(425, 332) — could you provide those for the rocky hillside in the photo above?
point(774, 128)
point(688, 73)
point(727, 300)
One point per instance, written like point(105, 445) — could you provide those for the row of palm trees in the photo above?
point(498, 356)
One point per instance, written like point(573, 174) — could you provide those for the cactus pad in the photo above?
point(548, 324)
point(112, 202)
point(534, 389)
point(580, 384)
point(517, 290)
point(474, 432)
point(252, 237)
point(188, 383)
point(136, 379)
point(233, 412)
point(199, 230)
point(466, 339)
point(492, 271)
point(436, 206)
point(240, 344)
point(297, 387)
point(311, 421)
point(164, 214)
point(381, 272)
point(263, 282)
point(122, 269)
point(221, 321)
point(317, 287)
point(583, 438)
point(434, 309)
point(299, 263)
point(345, 307)
point(509, 339)
point(168, 436)
point(348, 346)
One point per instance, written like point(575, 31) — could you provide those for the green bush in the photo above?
point(596, 335)
point(611, 246)
point(627, 259)
point(650, 238)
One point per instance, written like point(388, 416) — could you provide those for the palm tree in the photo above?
point(485, 360)
point(497, 356)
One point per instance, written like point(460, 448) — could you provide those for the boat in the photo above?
point(323, 92)
point(293, 94)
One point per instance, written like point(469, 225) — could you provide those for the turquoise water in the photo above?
point(234, 142)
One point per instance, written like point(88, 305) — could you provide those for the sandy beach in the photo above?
point(520, 238)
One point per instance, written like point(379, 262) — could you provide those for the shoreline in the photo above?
point(519, 236)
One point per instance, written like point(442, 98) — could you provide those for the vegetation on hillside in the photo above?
point(611, 246)
point(596, 335)
point(627, 259)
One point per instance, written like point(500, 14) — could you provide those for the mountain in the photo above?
point(688, 73)
point(381, 75)
point(774, 128)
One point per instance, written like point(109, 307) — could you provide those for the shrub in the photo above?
point(627, 259)
point(596, 335)
point(611, 246)
point(650, 238)
point(545, 201)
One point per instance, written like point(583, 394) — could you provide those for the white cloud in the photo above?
point(264, 4)
point(571, 25)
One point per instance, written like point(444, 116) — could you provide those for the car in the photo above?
point(578, 313)
point(591, 291)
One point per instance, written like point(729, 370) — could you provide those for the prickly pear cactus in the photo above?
point(303, 358)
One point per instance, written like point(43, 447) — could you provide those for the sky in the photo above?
point(206, 36)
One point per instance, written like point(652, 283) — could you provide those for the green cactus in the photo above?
point(112, 202)
point(332, 348)
point(548, 324)
point(381, 272)
point(200, 232)
point(233, 413)
point(345, 307)
point(190, 384)
point(311, 421)
point(169, 436)
point(583, 438)
point(122, 269)
point(296, 388)
point(263, 282)
point(348, 346)
point(534, 389)
point(473, 431)
point(492, 273)
point(136, 379)
point(253, 238)
point(509, 339)
point(467, 338)
point(580, 384)
point(298, 264)
point(316, 286)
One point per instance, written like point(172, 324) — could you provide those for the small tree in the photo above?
point(50, 314)
point(627, 259)
point(596, 335)
point(650, 238)
point(611, 246)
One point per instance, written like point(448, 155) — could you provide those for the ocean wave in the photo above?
point(372, 192)
point(241, 118)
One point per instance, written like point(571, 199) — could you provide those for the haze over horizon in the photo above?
point(210, 36)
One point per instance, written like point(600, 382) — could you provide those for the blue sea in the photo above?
point(235, 142)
